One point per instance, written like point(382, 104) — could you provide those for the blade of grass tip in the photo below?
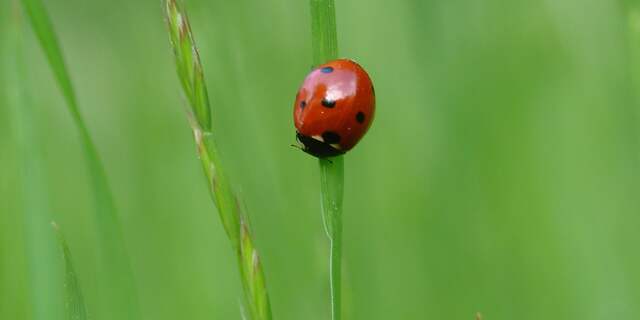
point(76, 309)
point(228, 205)
point(324, 38)
point(44, 266)
point(119, 298)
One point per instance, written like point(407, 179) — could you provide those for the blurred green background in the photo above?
point(501, 174)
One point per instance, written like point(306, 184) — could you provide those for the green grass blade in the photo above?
point(76, 309)
point(118, 291)
point(324, 33)
point(331, 187)
point(191, 78)
point(44, 265)
point(325, 47)
point(44, 31)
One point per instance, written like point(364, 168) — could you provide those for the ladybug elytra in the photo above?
point(334, 108)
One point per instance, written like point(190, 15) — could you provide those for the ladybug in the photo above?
point(334, 108)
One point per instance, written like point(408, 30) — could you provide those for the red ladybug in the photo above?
point(334, 108)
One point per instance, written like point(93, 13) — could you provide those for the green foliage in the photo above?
point(325, 48)
point(44, 267)
point(332, 192)
point(191, 77)
point(74, 300)
point(188, 64)
point(324, 36)
point(500, 174)
point(119, 294)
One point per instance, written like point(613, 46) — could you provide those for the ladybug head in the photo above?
point(316, 146)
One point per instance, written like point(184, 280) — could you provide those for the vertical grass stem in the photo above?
point(325, 47)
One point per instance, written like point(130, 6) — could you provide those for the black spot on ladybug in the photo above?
point(330, 137)
point(327, 69)
point(328, 103)
point(360, 117)
point(303, 104)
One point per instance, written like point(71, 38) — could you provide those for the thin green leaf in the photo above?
point(325, 47)
point(76, 309)
point(44, 30)
point(323, 31)
point(44, 265)
point(191, 77)
point(118, 297)
point(331, 187)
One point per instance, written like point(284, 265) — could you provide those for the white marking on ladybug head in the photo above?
point(336, 146)
point(319, 138)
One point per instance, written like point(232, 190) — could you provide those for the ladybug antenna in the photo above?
point(297, 147)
